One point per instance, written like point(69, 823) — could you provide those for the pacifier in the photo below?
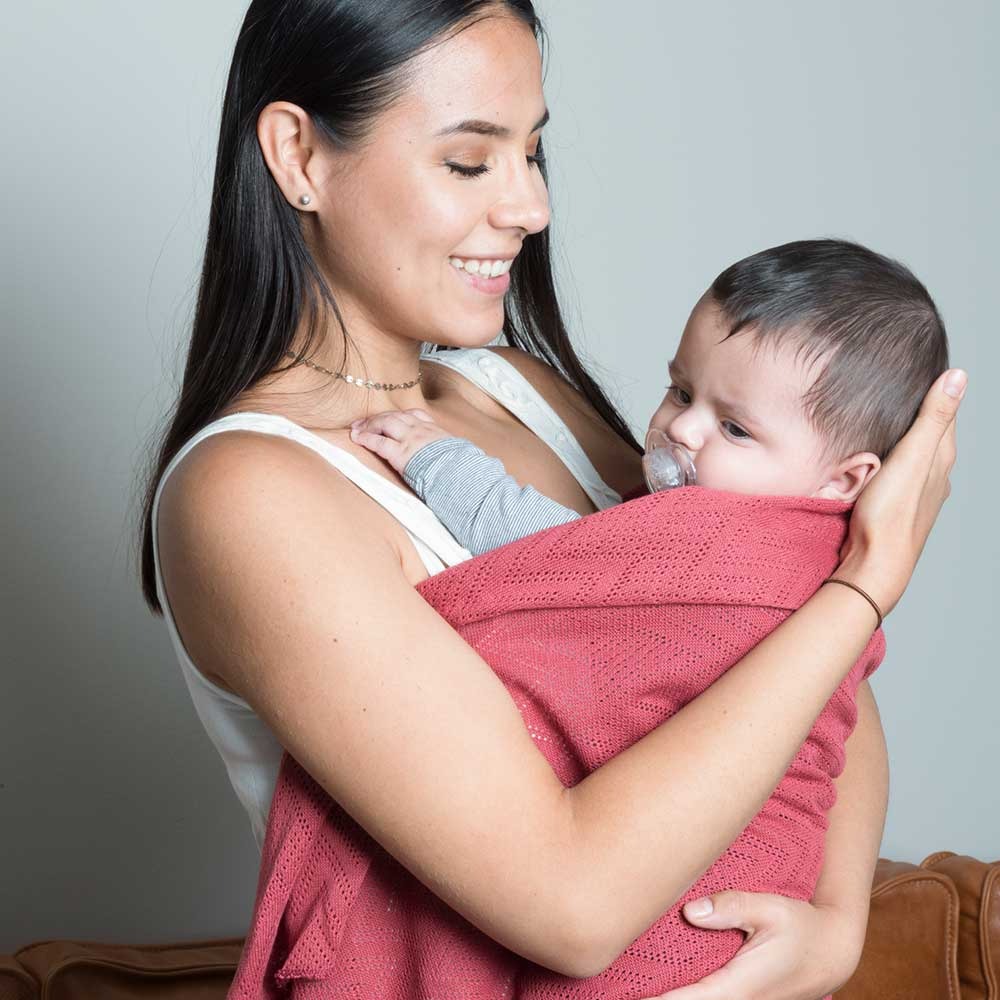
point(666, 463)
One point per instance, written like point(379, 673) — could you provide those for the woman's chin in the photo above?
point(475, 333)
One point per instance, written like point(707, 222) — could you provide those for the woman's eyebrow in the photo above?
point(479, 127)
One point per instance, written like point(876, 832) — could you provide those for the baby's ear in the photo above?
point(849, 477)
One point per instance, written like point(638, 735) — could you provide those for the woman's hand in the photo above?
point(794, 950)
point(896, 511)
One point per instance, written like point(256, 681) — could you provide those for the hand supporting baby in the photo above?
point(397, 435)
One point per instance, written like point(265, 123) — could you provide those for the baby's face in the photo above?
point(736, 406)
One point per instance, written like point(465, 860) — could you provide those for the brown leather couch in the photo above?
point(933, 934)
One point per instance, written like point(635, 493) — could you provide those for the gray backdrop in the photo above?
point(684, 136)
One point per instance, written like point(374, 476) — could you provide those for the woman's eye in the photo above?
point(537, 159)
point(679, 394)
point(735, 430)
point(463, 171)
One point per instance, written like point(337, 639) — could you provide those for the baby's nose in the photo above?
point(684, 430)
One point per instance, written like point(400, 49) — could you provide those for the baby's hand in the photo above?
point(397, 435)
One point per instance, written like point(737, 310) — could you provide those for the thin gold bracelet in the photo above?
point(854, 586)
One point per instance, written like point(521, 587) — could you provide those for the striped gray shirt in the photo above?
point(474, 497)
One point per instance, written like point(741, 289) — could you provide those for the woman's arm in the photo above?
point(796, 950)
point(283, 586)
point(729, 738)
point(857, 820)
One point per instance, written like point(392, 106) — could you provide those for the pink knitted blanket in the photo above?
point(600, 629)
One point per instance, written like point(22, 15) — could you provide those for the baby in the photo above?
point(797, 372)
point(839, 345)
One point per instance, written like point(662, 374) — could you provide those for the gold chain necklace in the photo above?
point(357, 380)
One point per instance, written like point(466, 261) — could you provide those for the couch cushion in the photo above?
point(978, 885)
point(72, 970)
point(911, 943)
point(15, 982)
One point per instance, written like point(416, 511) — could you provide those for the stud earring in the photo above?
point(305, 199)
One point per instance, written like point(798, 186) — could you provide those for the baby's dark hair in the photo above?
point(867, 316)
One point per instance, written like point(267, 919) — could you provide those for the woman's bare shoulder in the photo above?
point(618, 464)
point(239, 469)
point(226, 508)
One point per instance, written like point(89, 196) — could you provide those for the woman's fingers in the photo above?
point(934, 430)
point(950, 442)
point(745, 911)
point(895, 513)
point(936, 419)
point(955, 381)
point(789, 954)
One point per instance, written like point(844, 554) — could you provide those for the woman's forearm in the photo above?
point(857, 820)
point(687, 790)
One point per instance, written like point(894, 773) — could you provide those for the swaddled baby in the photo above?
point(797, 372)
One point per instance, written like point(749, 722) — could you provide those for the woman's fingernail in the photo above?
point(955, 383)
point(699, 908)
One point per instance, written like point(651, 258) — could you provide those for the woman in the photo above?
point(374, 157)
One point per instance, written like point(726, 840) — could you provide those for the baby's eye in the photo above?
point(735, 430)
point(679, 394)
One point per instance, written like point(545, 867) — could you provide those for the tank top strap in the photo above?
point(430, 535)
point(498, 378)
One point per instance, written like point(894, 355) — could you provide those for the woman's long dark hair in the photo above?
point(343, 62)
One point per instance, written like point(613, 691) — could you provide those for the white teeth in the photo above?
point(484, 268)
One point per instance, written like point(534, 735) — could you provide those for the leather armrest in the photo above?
point(15, 982)
point(911, 944)
point(73, 970)
point(978, 885)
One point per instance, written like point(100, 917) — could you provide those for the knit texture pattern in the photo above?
point(600, 629)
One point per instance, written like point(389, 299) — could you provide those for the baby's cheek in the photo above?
point(717, 474)
point(739, 472)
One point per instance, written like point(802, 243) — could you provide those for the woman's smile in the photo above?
point(490, 276)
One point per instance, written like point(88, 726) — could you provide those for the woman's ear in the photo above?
point(849, 477)
point(285, 134)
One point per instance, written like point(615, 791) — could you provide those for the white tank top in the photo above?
point(250, 752)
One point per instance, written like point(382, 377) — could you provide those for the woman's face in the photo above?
point(444, 187)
